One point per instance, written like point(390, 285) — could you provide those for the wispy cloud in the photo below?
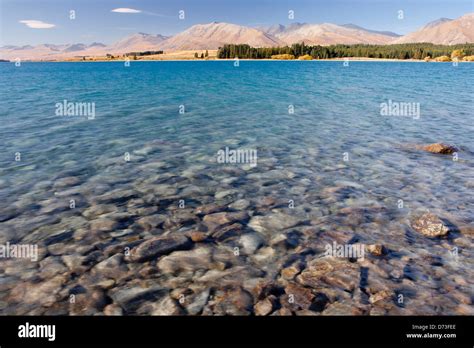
point(125, 10)
point(31, 23)
point(132, 10)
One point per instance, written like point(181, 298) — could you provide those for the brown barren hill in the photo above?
point(444, 32)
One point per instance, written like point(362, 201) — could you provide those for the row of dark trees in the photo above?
point(398, 51)
point(202, 55)
point(144, 53)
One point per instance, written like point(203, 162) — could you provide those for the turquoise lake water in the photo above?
point(336, 109)
point(335, 138)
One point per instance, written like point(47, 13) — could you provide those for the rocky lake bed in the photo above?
point(151, 239)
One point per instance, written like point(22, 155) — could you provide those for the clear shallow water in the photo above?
point(300, 157)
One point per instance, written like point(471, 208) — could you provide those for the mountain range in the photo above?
point(329, 34)
point(214, 35)
point(444, 31)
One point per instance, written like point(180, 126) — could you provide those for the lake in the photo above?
point(260, 166)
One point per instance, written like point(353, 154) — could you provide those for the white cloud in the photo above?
point(31, 23)
point(125, 10)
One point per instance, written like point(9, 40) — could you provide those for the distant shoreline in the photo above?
point(363, 53)
point(353, 59)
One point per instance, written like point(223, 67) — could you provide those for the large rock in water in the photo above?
point(159, 246)
point(430, 225)
point(270, 223)
point(131, 296)
point(189, 260)
point(216, 220)
point(263, 307)
point(336, 273)
point(440, 148)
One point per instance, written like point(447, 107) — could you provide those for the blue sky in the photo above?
point(95, 20)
